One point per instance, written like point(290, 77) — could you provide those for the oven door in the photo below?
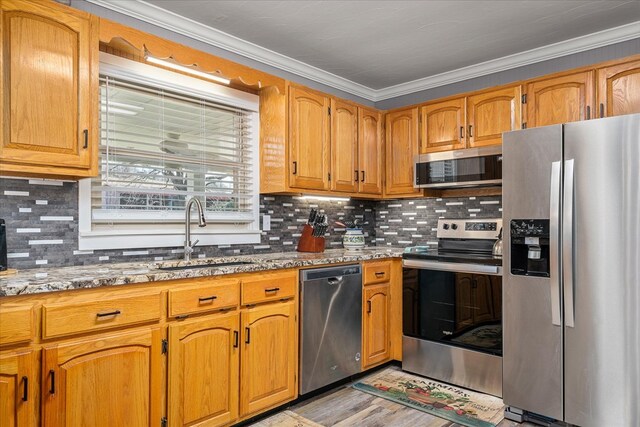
point(453, 308)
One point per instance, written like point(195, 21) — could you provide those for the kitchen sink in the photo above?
point(212, 265)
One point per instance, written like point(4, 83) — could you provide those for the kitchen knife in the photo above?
point(312, 216)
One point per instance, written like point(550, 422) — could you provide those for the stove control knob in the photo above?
point(445, 226)
point(454, 226)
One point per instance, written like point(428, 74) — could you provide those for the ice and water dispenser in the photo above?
point(530, 247)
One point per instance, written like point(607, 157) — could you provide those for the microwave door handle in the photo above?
point(554, 234)
point(567, 243)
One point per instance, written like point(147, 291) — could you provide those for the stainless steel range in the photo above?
point(452, 306)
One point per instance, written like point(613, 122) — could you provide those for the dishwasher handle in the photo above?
point(335, 280)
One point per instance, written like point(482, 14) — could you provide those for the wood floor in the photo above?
point(346, 406)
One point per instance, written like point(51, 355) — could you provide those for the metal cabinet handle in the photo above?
point(362, 176)
point(470, 131)
point(461, 132)
point(25, 388)
point(271, 290)
point(356, 176)
point(235, 339)
point(369, 306)
point(86, 138)
point(109, 313)
point(248, 333)
point(601, 110)
point(205, 299)
point(52, 388)
point(588, 112)
point(295, 168)
point(379, 273)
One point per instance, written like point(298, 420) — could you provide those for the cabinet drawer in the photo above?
point(59, 319)
point(376, 272)
point(269, 287)
point(207, 296)
point(16, 324)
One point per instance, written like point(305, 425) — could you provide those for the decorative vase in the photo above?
point(353, 239)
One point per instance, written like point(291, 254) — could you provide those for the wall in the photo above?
point(42, 226)
point(413, 222)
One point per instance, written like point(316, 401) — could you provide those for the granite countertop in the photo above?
point(40, 280)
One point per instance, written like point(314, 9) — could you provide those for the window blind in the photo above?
point(158, 148)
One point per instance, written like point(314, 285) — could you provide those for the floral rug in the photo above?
point(452, 403)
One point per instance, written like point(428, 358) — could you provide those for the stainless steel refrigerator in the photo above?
point(571, 281)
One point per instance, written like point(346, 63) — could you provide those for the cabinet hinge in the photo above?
point(524, 98)
point(524, 125)
point(163, 422)
point(165, 346)
point(329, 110)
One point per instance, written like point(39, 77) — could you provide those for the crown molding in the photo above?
point(187, 27)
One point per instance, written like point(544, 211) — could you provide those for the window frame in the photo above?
point(171, 234)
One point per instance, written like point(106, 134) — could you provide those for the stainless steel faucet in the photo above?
point(202, 222)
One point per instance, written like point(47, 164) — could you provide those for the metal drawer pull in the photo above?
point(379, 273)
point(369, 306)
point(362, 176)
point(205, 299)
point(86, 138)
point(110, 313)
point(52, 389)
point(271, 290)
point(356, 179)
point(295, 168)
point(25, 389)
point(235, 339)
point(248, 339)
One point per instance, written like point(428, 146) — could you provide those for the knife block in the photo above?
point(308, 243)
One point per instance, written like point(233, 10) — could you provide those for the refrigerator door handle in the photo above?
point(554, 231)
point(567, 243)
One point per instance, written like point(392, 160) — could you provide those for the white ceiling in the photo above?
point(371, 46)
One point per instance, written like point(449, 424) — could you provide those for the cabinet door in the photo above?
point(443, 126)
point(344, 146)
point(560, 99)
point(370, 151)
point(204, 366)
point(401, 148)
point(18, 389)
point(619, 89)
point(308, 140)
point(491, 113)
point(113, 380)
point(49, 87)
point(377, 341)
point(269, 358)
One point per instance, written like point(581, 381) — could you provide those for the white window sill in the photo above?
point(130, 239)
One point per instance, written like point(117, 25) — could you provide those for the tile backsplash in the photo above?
point(42, 224)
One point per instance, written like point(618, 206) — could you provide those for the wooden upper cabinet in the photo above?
point(204, 367)
point(49, 90)
point(269, 357)
point(344, 146)
point(562, 99)
point(401, 148)
point(308, 140)
point(18, 389)
point(370, 151)
point(619, 89)
point(376, 346)
point(112, 380)
point(443, 126)
point(489, 114)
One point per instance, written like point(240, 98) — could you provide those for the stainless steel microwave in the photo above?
point(472, 167)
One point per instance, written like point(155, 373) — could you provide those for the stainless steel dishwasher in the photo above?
point(331, 319)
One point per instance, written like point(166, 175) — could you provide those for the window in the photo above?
point(166, 137)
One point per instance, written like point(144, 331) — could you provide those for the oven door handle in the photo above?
point(452, 266)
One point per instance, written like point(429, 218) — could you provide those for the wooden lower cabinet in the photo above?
point(204, 358)
point(376, 339)
point(18, 388)
point(269, 359)
point(111, 380)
